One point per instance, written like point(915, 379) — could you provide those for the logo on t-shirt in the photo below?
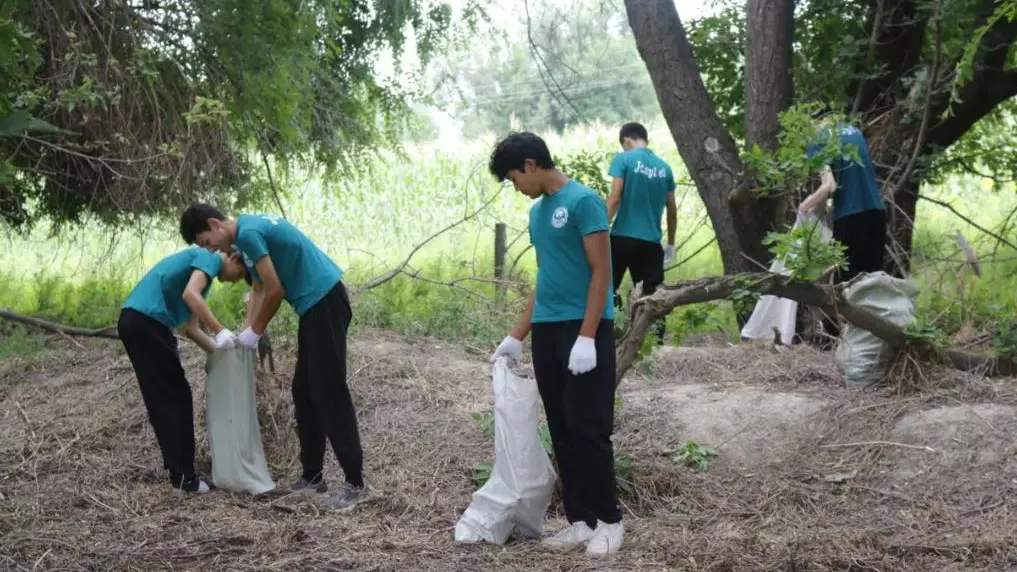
point(560, 217)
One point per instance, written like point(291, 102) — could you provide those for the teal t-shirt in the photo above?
point(558, 224)
point(307, 274)
point(160, 293)
point(648, 180)
point(857, 190)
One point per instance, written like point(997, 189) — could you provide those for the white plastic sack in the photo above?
point(862, 358)
point(231, 415)
point(773, 312)
point(522, 479)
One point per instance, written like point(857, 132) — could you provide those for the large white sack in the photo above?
point(231, 415)
point(862, 357)
point(773, 312)
point(522, 480)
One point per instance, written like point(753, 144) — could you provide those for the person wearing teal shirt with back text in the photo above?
point(170, 295)
point(572, 319)
point(285, 264)
point(642, 186)
point(859, 214)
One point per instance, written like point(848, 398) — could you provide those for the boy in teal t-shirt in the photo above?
point(572, 321)
point(286, 265)
point(642, 187)
point(172, 294)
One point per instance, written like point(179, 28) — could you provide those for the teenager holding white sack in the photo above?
point(572, 321)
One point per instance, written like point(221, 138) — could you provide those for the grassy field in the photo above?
point(371, 222)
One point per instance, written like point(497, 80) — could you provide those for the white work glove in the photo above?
point(583, 357)
point(668, 254)
point(510, 348)
point(248, 338)
point(224, 339)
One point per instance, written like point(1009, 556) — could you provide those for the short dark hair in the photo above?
point(195, 220)
point(633, 130)
point(513, 151)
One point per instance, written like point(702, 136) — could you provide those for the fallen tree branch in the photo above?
point(107, 332)
point(645, 311)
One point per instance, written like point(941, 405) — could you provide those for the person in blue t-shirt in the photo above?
point(286, 265)
point(859, 218)
point(642, 186)
point(572, 320)
point(172, 295)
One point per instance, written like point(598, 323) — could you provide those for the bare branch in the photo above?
point(378, 281)
point(950, 207)
point(107, 332)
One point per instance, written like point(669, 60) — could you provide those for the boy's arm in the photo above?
point(614, 201)
point(272, 297)
point(672, 218)
point(254, 301)
point(197, 304)
point(598, 254)
point(826, 188)
point(194, 333)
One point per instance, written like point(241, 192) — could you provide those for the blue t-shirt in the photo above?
point(307, 274)
point(857, 190)
point(558, 224)
point(160, 293)
point(648, 180)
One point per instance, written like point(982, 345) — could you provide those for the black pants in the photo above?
point(152, 349)
point(321, 399)
point(644, 261)
point(864, 236)
point(580, 417)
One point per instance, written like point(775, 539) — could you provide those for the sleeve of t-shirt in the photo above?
point(207, 262)
point(670, 181)
point(618, 166)
point(591, 215)
point(252, 243)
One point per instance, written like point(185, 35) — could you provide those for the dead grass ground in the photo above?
point(810, 477)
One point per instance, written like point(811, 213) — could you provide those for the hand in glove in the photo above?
point(510, 348)
point(584, 356)
point(224, 339)
point(248, 338)
point(668, 254)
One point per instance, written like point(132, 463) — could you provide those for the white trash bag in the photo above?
point(773, 312)
point(522, 480)
point(863, 358)
point(231, 415)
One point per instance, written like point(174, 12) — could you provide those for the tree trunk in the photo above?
point(769, 91)
point(706, 147)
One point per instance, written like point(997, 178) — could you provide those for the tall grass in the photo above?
point(369, 223)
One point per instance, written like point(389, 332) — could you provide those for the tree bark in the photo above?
point(706, 147)
point(769, 91)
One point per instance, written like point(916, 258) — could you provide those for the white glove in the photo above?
point(510, 348)
point(224, 339)
point(669, 254)
point(583, 357)
point(248, 338)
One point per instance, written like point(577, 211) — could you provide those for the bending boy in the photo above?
point(173, 293)
point(285, 264)
point(573, 337)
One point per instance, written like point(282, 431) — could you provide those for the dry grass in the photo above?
point(847, 484)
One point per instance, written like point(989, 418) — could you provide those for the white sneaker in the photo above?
point(569, 537)
point(607, 539)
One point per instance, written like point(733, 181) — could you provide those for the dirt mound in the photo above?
point(808, 477)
